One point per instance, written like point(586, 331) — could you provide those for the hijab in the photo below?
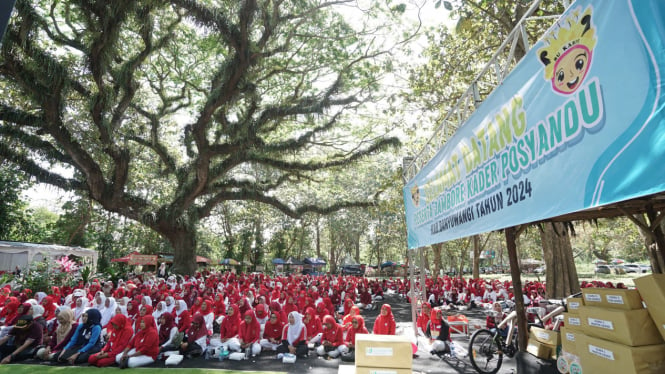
point(165, 328)
point(182, 307)
point(295, 329)
point(195, 332)
point(79, 310)
point(170, 304)
point(109, 311)
point(252, 329)
point(65, 321)
point(361, 329)
point(159, 311)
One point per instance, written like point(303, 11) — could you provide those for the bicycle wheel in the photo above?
point(484, 352)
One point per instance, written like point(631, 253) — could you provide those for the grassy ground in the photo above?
point(44, 369)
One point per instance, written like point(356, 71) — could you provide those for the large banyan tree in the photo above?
point(161, 110)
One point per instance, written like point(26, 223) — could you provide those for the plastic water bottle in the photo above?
point(207, 354)
point(452, 349)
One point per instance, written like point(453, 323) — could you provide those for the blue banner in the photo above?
point(579, 123)
point(6, 7)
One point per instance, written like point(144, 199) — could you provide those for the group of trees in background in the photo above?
point(246, 129)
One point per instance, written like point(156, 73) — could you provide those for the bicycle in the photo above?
point(487, 348)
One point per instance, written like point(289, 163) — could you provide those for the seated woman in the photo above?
point(346, 320)
point(195, 341)
point(423, 319)
point(208, 313)
point(249, 333)
point(332, 341)
point(228, 330)
point(441, 344)
point(120, 333)
point(294, 339)
point(493, 322)
point(86, 340)
point(183, 318)
point(272, 332)
point(143, 348)
point(385, 322)
point(61, 335)
point(357, 327)
point(314, 327)
point(167, 333)
point(365, 299)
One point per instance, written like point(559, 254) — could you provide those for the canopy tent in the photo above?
point(169, 259)
point(13, 254)
point(124, 259)
point(314, 261)
point(294, 262)
point(278, 261)
point(552, 142)
point(229, 261)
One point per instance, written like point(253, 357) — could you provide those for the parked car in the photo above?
point(603, 269)
point(352, 270)
point(632, 268)
point(540, 270)
point(645, 268)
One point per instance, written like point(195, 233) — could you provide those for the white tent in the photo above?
point(19, 254)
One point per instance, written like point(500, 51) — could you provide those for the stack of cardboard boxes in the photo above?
point(617, 333)
point(383, 354)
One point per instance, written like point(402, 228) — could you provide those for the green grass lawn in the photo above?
point(44, 369)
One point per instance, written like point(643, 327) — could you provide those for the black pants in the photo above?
point(7, 349)
point(82, 358)
point(301, 348)
point(192, 350)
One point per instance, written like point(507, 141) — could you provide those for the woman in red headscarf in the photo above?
point(291, 305)
point(120, 333)
point(195, 341)
point(347, 320)
point(10, 311)
point(332, 341)
point(208, 314)
point(385, 322)
point(357, 327)
point(261, 312)
point(220, 305)
point(348, 304)
point(144, 311)
point(228, 330)
point(167, 332)
point(49, 308)
point(423, 319)
point(314, 326)
point(249, 333)
point(143, 348)
point(272, 333)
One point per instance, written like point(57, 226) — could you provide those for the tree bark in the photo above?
point(561, 278)
point(476, 257)
point(436, 249)
point(517, 287)
point(183, 241)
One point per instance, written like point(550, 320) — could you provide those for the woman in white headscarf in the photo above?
point(170, 304)
point(109, 311)
point(294, 335)
point(99, 302)
point(80, 308)
point(159, 310)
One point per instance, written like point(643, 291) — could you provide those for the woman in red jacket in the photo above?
point(332, 341)
point(385, 322)
point(120, 332)
point(249, 333)
point(357, 327)
point(313, 325)
point(228, 330)
point(143, 348)
point(272, 334)
point(294, 339)
point(423, 319)
point(183, 318)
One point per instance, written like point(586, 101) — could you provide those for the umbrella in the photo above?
point(278, 261)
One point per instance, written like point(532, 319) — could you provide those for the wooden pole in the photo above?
point(516, 274)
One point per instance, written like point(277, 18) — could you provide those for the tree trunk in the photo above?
point(356, 244)
point(476, 257)
point(650, 242)
point(183, 241)
point(561, 278)
point(436, 249)
point(317, 227)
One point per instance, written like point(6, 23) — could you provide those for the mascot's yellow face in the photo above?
point(571, 68)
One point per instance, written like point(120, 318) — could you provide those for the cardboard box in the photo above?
point(615, 298)
point(569, 339)
point(652, 289)
point(383, 351)
point(602, 356)
point(538, 349)
point(546, 336)
point(375, 370)
point(630, 327)
point(572, 321)
point(574, 304)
